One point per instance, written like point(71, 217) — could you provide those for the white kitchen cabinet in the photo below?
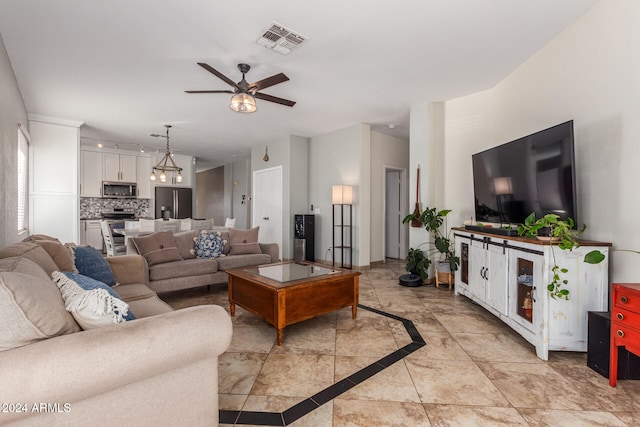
point(54, 179)
point(119, 167)
point(143, 172)
point(508, 276)
point(90, 173)
point(91, 233)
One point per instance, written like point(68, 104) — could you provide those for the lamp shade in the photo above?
point(342, 194)
point(243, 103)
point(502, 185)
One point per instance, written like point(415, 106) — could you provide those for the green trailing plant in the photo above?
point(434, 221)
point(561, 232)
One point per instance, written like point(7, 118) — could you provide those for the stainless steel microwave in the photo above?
point(119, 189)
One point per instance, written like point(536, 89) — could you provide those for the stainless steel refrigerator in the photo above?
point(173, 202)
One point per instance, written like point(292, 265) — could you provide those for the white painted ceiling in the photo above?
point(122, 66)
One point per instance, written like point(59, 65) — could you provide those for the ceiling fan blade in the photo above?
point(268, 82)
point(209, 91)
point(218, 74)
point(275, 99)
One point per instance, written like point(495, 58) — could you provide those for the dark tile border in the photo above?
point(328, 394)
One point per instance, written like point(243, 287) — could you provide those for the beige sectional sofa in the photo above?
point(187, 271)
point(160, 369)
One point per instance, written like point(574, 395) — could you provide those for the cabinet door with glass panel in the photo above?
point(527, 296)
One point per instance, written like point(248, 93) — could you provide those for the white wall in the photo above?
point(299, 180)
point(12, 112)
point(589, 73)
point(292, 154)
point(240, 175)
point(337, 158)
point(386, 152)
point(419, 152)
point(427, 149)
point(468, 130)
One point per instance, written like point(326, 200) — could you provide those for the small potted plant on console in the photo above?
point(433, 221)
point(552, 229)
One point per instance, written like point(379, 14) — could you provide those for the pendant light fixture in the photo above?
point(166, 164)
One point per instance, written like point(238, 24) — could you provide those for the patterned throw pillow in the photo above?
point(208, 244)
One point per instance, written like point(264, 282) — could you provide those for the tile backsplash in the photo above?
point(91, 207)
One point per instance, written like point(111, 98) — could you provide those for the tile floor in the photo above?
point(473, 370)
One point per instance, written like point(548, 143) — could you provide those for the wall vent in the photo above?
point(280, 39)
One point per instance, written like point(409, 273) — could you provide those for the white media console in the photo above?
point(508, 276)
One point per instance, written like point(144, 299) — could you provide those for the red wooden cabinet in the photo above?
point(625, 324)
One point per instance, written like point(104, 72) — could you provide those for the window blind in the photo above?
point(23, 177)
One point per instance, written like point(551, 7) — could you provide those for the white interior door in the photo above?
point(392, 214)
point(267, 205)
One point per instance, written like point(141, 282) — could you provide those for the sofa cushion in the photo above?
point(89, 284)
point(238, 261)
point(31, 308)
point(158, 247)
point(60, 254)
point(93, 308)
point(187, 267)
point(244, 241)
point(30, 268)
point(89, 262)
point(32, 251)
point(224, 235)
point(208, 244)
point(151, 306)
point(36, 237)
point(133, 292)
point(184, 242)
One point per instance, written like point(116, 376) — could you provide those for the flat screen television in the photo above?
point(535, 173)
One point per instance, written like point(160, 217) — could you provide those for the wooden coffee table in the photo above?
point(286, 293)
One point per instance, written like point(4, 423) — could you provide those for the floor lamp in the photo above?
point(342, 196)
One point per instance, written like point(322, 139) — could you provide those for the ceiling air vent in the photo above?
point(280, 39)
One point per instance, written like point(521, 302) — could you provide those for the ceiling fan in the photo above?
point(244, 93)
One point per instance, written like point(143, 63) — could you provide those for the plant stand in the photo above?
point(445, 278)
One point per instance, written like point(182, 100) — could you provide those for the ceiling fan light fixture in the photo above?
point(243, 103)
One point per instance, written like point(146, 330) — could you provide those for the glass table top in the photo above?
point(291, 271)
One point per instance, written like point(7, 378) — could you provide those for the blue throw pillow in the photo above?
point(208, 244)
point(88, 284)
point(90, 262)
